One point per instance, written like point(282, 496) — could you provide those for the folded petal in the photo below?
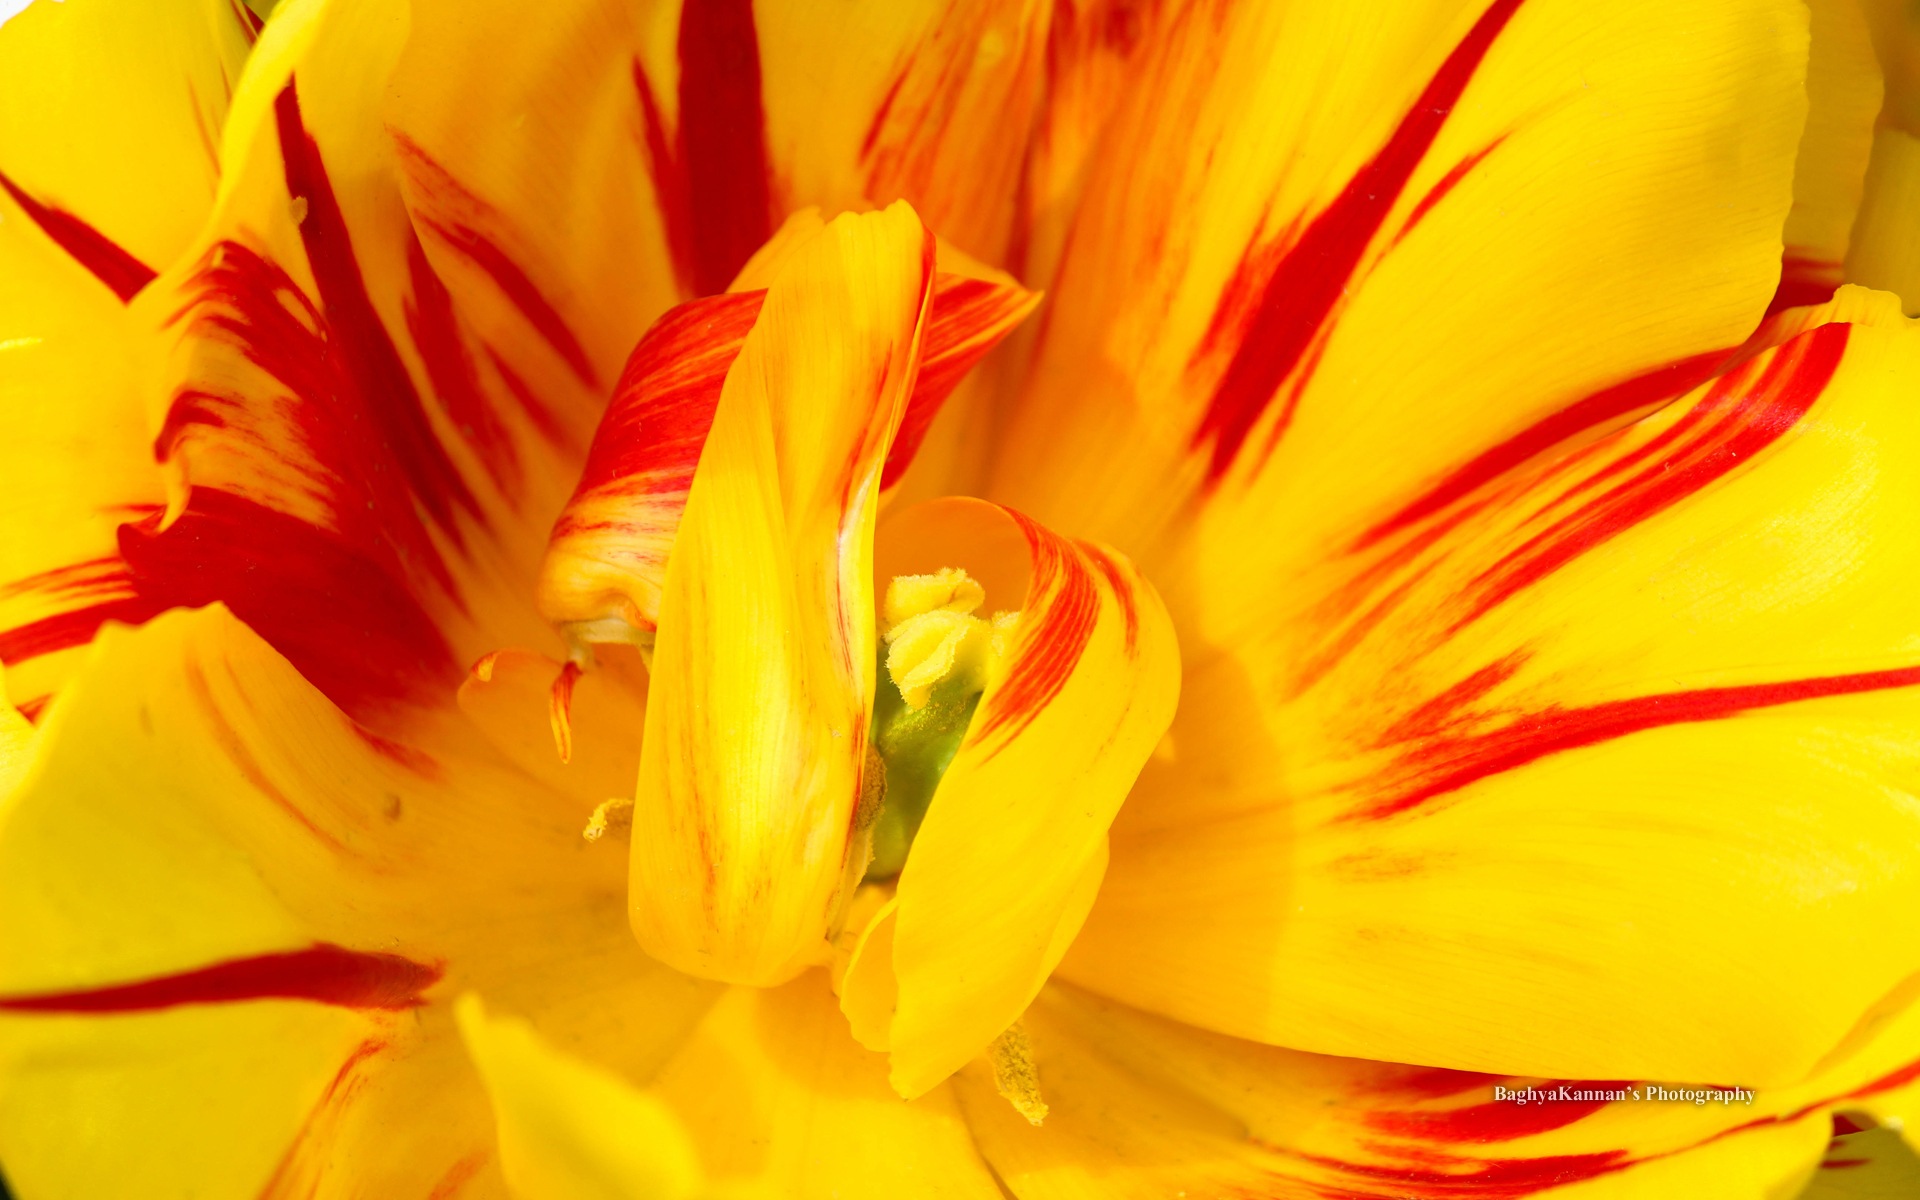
point(1604, 712)
point(1303, 284)
point(762, 671)
point(1011, 852)
point(1145, 1107)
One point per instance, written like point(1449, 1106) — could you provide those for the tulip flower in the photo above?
point(969, 599)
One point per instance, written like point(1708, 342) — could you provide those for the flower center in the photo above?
point(939, 657)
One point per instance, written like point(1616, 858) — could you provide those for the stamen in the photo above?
point(560, 709)
point(614, 815)
point(1014, 1075)
point(932, 634)
point(939, 658)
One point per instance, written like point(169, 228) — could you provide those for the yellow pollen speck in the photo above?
point(615, 815)
point(1014, 1074)
point(932, 634)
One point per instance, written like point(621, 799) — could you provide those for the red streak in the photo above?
point(1804, 280)
point(1436, 1082)
point(1063, 605)
point(1455, 764)
point(1642, 391)
point(1496, 1121)
point(1447, 183)
point(450, 368)
point(967, 318)
point(389, 410)
point(123, 274)
point(323, 973)
point(650, 439)
point(520, 290)
point(560, 709)
point(880, 115)
point(1122, 593)
point(664, 405)
point(1486, 1179)
point(459, 1175)
point(250, 24)
point(722, 153)
point(341, 620)
point(1316, 271)
point(64, 631)
point(1748, 422)
point(101, 589)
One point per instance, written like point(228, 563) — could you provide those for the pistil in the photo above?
point(938, 658)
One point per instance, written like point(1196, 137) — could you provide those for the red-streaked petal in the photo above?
point(1007, 860)
point(1657, 670)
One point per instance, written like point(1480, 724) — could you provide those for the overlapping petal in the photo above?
point(762, 671)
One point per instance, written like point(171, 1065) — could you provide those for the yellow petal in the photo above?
point(1885, 250)
point(78, 460)
point(777, 1098)
point(1305, 282)
point(762, 675)
point(1843, 94)
point(1011, 851)
point(570, 1130)
point(1144, 1107)
point(1604, 712)
point(200, 831)
point(145, 92)
point(205, 1100)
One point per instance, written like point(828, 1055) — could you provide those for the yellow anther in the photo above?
point(611, 816)
point(1014, 1075)
point(948, 589)
point(932, 635)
